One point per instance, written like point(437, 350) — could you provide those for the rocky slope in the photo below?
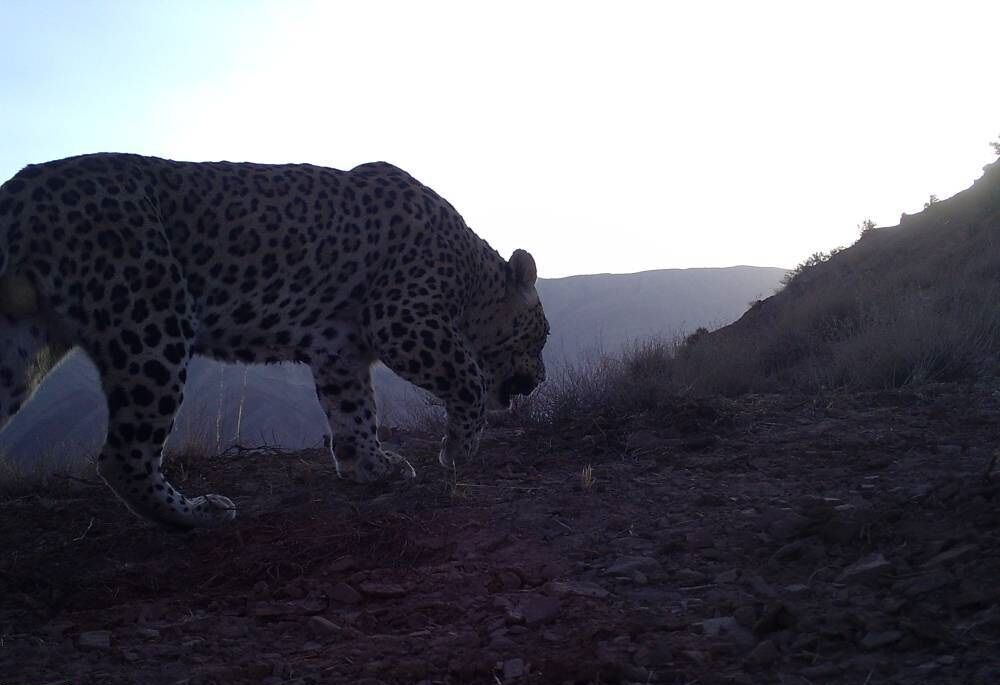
point(823, 538)
point(905, 304)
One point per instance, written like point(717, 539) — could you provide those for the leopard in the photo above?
point(142, 263)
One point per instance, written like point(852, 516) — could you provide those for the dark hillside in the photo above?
point(905, 304)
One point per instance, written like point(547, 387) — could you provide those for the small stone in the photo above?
point(746, 616)
point(776, 616)
point(763, 654)
point(296, 607)
point(874, 640)
point(509, 580)
point(94, 639)
point(659, 652)
point(820, 671)
point(538, 609)
point(383, 590)
point(687, 576)
point(865, 570)
point(955, 554)
point(844, 524)
point(130, 656)
point(502, 644)
point(581, 588)
point(727, 626)
point(513, 668)
point(232, 629)
point(345, 594)
point(730, 576)
point(797, 589)
point(344, 563)
point(921, 585)
point(57, 629)
point(626, 566)
point(701, 538)
point(260, 589)
point(320, 626)
point(758, 585)
point(786, 525)
point(147, 633)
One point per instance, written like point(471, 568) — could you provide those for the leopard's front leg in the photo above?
point(433, 354)
point(344, 389)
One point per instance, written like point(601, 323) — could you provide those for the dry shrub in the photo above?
point(635, 381)
point(50, 472)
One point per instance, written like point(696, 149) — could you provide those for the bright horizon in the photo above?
point(647, 137)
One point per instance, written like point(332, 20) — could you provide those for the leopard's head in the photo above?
point(511, 335)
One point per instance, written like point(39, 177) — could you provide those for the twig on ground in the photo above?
point(84, 534)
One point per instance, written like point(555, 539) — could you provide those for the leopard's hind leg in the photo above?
point(28, 351)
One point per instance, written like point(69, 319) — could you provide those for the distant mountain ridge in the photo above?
point(276, 405)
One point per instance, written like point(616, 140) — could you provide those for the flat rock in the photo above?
point(345, 594)
point(295, 607)
point(322, 626)
point(763, 654)
point(536, 609)
point(727, 626)
point(94, 639)
point(865, 570)
point(701, 538)
point(784, 524)
point(874, 640)
point(513, 668)
point(383, 590)
point(562, 588)
point(929, 582)
point(950, 556)
point(626, 566)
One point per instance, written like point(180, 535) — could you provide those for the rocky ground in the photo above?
point(787, 539)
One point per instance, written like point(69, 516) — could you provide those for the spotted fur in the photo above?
point(143, 262)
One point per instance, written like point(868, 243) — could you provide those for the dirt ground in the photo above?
point(785, 539)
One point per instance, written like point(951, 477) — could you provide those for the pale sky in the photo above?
point(602, 137)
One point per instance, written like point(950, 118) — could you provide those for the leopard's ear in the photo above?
point(522, 275)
